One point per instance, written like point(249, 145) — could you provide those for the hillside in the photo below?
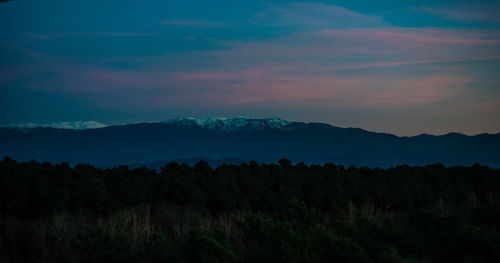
point(263, 140)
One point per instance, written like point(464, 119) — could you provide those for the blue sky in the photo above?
point(393, 66)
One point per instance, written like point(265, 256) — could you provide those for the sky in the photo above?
point(401, 67)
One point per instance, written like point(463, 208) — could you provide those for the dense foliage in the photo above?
point(248, 213)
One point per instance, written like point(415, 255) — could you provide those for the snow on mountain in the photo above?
point(76, 125)
point(231, 124)
point(218, 124)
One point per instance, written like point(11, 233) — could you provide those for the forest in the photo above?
point(251, 212)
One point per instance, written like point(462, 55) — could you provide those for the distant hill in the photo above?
point(232, 140)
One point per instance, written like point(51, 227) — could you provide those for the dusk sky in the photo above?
point(388, 66)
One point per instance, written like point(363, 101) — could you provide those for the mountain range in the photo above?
point(234, 140)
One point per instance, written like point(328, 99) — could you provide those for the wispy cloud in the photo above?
point(192, 22)
point(86, 34)
point(418, 35)
point(117, 34)
point(344, 49)
point(485, 14)
point(44, 36)
point(37, 36)
point(316, 15)
point(410, 62)
point(301, 15)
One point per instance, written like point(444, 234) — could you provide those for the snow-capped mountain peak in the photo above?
point(230, 124)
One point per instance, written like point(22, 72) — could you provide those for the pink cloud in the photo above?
point(421, 90)
point(366, 47)
point(225, 75)
point(343, 90)
point(409, 62)
point(417, 35)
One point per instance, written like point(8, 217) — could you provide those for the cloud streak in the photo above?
point(315, 15)
point(192, 22)
point(397, 35)
point(410, 62)
point(484, 14)
point(86, 34)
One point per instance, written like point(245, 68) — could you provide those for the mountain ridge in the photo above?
point(70, 125)
point(222, 123)
point(263, 140)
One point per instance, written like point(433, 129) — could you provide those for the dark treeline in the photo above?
point(248, 213)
